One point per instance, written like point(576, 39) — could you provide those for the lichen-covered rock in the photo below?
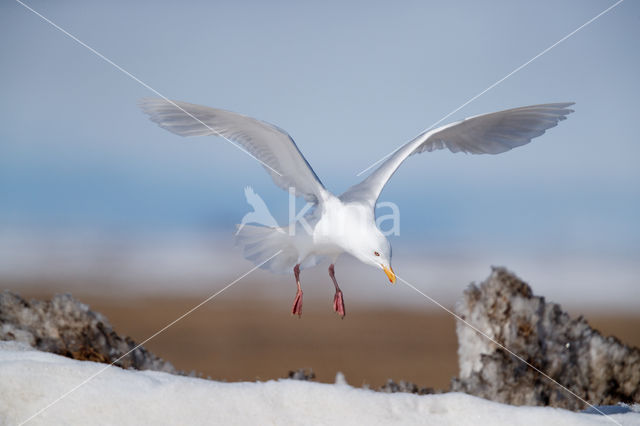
point(599, 369)
point(406, 387)
point(67, 327)
point(302, 374)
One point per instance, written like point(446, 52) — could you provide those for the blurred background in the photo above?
point(98, 201)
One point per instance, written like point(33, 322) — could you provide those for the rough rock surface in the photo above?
point(407, 387)
point(599, 369)
point(67, 327)
point(302, 374)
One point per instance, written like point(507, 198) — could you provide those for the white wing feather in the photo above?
point(269, 144)
point(482, 134)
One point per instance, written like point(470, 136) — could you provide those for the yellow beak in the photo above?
point(390, 274)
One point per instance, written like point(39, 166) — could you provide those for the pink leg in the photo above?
point(338, 300)
point(297, 302)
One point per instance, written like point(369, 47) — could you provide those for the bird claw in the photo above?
point(297, 304)
point(338, 304)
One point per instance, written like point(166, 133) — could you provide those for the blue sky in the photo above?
point(350, 82)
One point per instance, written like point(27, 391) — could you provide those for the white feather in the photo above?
point(345, 223)
point(482, 134)
point(266, 142)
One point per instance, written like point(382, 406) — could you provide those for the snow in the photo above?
point(30, 380)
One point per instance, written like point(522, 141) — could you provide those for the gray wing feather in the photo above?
point(492, 133)
point(272, 146)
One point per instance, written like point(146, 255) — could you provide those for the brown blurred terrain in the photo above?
point(257, 340)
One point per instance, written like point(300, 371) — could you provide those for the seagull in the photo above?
point(344, 223)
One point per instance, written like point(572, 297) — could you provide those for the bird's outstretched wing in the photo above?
point(272, 146)
point(482, 134)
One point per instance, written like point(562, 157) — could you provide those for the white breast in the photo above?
point(340, 224)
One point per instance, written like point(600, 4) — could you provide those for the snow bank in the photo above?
point(29, 380)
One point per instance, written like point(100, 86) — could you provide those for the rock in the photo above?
point(402, 386)
point(302, 374)
point(67, 327)
point(598, 369)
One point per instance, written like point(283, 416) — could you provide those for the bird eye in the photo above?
point(376, 253)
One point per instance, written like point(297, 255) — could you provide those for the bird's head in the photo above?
point(374, 249)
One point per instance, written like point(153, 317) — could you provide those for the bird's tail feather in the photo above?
point(259, 243)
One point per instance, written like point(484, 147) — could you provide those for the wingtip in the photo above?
point(145, 103)
point(568, 104)
point(563, 108)
point(561, 105)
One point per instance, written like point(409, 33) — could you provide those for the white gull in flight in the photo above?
point(345, 223)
